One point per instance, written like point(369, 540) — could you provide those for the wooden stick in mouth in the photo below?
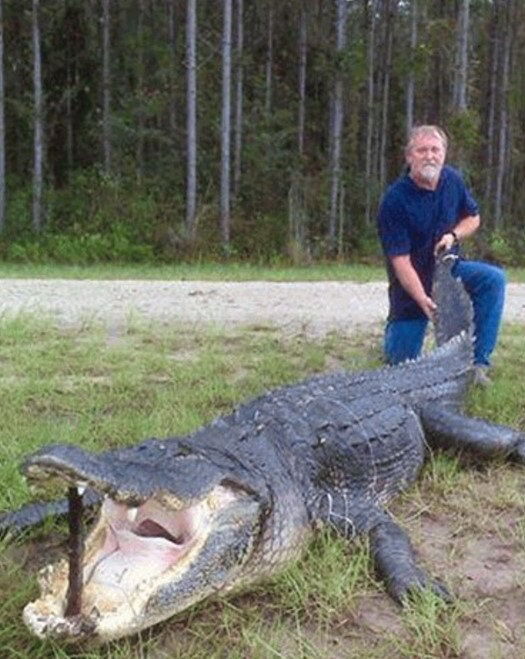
point(76, 551)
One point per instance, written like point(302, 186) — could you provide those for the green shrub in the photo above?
point(507, 247)
point(116, 246)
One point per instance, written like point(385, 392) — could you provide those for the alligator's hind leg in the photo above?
point(390, 547)
point(446, 428)
point(396, 563)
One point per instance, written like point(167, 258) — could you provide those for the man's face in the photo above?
point(425, 157)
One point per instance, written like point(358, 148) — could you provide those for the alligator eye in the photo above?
point(148, 528)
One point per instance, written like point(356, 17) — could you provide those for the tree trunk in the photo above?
point(389, 34)
point(342, 217)
point(337, 122)
point(238, 101)
point(411, 75)
point(501, 157)
point(69, 119)
point(297, 217)
point(225, 125)
point(302, 80)
point(460, 77)
point(514, 63)
point(139, 155)
point(269, 63)
point(491, 112)
point(106, 88)
point(2, 122)
point(38, 119)
point(435, 99)
point(191, 118)
point(172, 38)
point(370, 109)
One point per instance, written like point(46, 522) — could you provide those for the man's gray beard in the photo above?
point(430, 172)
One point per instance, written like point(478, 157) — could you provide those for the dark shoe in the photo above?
point(481, 378)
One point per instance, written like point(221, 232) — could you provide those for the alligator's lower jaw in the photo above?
point(104, 617)
point(107, 613)
point(72, 629)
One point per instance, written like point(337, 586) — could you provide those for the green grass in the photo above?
point(197, 271)
point(466, 519)
point(210, 272)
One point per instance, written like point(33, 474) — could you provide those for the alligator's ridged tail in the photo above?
point(454, 309)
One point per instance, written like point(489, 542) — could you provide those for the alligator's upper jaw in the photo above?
point(139, 564)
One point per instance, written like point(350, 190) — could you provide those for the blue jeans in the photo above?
point(485, 285)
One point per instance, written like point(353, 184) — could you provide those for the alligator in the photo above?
point(184, 518)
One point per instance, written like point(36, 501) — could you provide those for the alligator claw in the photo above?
point(410, 589)
point(519, 452)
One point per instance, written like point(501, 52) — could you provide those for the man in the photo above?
point(427, 210)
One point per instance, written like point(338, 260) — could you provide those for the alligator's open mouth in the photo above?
point(129, 555)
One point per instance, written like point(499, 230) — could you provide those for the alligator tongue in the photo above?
point(76, 550)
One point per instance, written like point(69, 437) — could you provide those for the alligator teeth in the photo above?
point(81, 487)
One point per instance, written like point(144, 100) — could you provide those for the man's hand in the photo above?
point(463, 229)
point(428, 306)
point(445, 243)
point(409, 280)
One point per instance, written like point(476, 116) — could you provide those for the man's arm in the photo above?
point(463, 229)
point(410, 281)
point(408, 277)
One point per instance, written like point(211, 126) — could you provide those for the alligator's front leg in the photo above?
point(395, 563)
point(446, 428)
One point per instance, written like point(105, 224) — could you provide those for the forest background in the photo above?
point(263, 131)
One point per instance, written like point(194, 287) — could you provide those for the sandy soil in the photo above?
point(313, 308)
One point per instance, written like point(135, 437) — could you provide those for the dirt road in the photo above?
point(313, 308)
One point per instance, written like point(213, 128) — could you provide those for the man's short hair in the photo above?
point(427, 129)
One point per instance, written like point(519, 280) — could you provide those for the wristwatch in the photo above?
point(455, 236)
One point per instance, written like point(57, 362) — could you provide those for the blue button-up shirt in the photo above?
point(411, 220)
